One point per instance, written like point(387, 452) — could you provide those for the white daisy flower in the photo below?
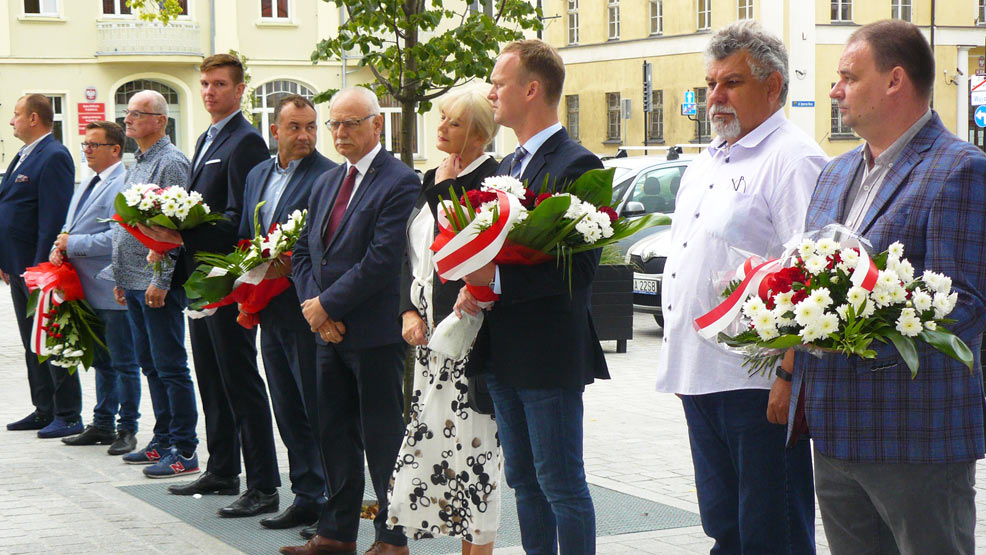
point(826, 246)
point(842, 310)
point(908, 324)
point(931, 325)
point(828, 323)
point(146, 204)
point(753, 307)
point(856, 295)
point(815, 264)
point(505, 183)
point(782, 301)
point(807, 312)
point(806, 248)
point(849, 256)
point(921, 300)
point(821, 296)
point(896, 250)
point(905, 270)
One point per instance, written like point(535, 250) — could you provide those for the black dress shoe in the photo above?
point(125, 442)
point(308, 532)
point(208, 483)
point(91, 436)
point(295, 515)
point(252, 502)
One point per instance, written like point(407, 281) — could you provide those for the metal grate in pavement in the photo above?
point(616, 513)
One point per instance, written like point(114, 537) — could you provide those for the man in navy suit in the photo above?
point(347, 269)
point(234, 399)
point(34, 198)
point(538, 345)
point(87, 243)
point(287, 344)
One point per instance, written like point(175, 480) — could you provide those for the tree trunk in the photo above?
point(408, 105)
point(407, 132)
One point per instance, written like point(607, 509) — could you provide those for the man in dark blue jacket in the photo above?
point(34, 197)
point(287, 344)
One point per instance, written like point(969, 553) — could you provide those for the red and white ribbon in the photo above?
point(711, 323)
point(865, 273)
point(47, 301)
point(471, 249)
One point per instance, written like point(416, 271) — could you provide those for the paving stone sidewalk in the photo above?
point(59, 499)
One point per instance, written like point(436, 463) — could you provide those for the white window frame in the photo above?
point(573, 21)
point(837, 129)
point(59, 116)
point(614, 112)
point(656, 17)
point(46, 8)
point(389, 129)
point(572, 116)
point(837, 6)
point(613, 18)
point(897, 6)
point(656, 117)
point(703, 10)
point(744, 9)
point(273, 11)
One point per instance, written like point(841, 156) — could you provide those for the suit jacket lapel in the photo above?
point(250, 206)
point(537, 162)
point(358, 194)
point(291, 190)
point(224, 134)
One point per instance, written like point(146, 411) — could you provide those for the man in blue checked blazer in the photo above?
point(895, 456)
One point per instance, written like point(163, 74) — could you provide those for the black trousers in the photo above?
point(289, 361)
point(54, 392)
point(361, 413)
point(234, 399)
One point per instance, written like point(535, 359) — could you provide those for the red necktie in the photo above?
point(339, 207)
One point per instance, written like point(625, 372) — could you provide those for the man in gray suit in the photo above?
point(86, 242)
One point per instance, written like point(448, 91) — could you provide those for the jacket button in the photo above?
point(324, 262)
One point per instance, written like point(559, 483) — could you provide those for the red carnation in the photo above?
point(609, 212)
point(244, 244)
point(529, 198)
point(541, 198)
point(477, 198)
point(799, 296)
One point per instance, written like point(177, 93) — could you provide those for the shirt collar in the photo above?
point(534, 143)
point(894, 150)
point(474, 164)
point(105, 174)
point(364, 163)
point(752, 139)
point(26, 149)
point(161, 143)
point(218, 126)
point(292, 165)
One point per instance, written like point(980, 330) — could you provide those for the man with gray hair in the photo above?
point(749, 191)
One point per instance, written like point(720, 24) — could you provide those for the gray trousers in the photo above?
point(889, 508)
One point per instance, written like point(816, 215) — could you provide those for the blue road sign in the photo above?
point(688, 109)
point(803, 103)
point(689, 97)
point(980, 116)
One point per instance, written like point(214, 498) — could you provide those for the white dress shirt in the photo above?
point(751, 196)
point(362, 167)
point(26, 151)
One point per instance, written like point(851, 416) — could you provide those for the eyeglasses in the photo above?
point(138, 114)
point(87, 146)
point(348, 124)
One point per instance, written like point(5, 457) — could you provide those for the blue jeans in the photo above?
point(117, 376)
point(159, 337)
point(754, 494)
point(541, 434)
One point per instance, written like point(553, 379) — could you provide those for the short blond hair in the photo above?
point(470, 107)
point(542, 63)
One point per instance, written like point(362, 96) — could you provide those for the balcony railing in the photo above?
point(130, 38)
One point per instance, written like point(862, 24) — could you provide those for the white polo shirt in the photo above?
point(752, 196)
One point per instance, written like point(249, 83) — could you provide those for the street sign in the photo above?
point(688, 109)
point(626, 108)
point(648, 91)
point(980, 116)
point(977, 90)
point(90, 112)
point(690, 97)
point(803, 103)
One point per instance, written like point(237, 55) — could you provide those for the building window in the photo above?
point(116, 7)
point(841, 10)
point(655, 121)
point(703, 9)
point(839, 129)
point(58, 125)
point(982, 12)
point(572, 119)
point(274, 9)
point(41, 7)
point(900, 9)
point(266, 97)
point(613, 116)
point(744, 9)
point(703, 127)
point(656, 17)
point(122, 99)
point(614, 19)
point(573, 21)
point(392, 116)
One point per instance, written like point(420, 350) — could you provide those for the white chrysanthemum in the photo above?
point(782, 301)
point(806, 248)
point(826, 246)
point(821, 296)
point(132, 197)
point(931, 325)
point(57, 349)
point(921, 300)
point(523, 214)
point(844, 267)
point(146, 204)
point(898, 294)
point(182, 212)
point(169, 208)
point(828, 323)
point(888, 279)
point(815, 264)
point(905, 270)
point(195, 197)
point(807, 312)
point(753, 307)
point(842, 310)
point(849, 256)
point(205, 208)
point(856, 296)
point(484, 218)
point(575, 207)
point(504, 183)
point(941, 304)
point(938, 283)
point(895, 250)
point(288, 226)
point(908, 324)
point(589, 230)
point(882, 297)
point(869, 308)
point(764, 319)
point(953, 299)
point(488, 206)
point(811, 333)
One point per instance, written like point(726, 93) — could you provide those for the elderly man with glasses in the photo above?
point(155, 302)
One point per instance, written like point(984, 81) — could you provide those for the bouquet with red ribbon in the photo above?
point(830, 296)
point(64, 329)
point(507, 223)
point(244, 275)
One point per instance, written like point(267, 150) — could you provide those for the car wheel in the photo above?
point(659, 318)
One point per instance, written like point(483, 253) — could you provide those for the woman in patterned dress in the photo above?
point(447, 475)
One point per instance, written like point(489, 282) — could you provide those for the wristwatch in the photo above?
point(783, 374)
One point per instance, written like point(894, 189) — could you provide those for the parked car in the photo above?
point(647, 257)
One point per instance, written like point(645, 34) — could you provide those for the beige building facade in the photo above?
point(606, 42)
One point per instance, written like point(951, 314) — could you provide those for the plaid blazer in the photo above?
point(933, 200)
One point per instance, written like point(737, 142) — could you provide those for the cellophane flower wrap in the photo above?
point(826, 293)
point(238, 277)
point(170, 207)
point(506, 222)
point(65, 330)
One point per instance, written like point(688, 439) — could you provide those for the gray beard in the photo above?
point(728, 131)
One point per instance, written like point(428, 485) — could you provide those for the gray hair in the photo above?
point(767, 52)
point(369, 98)
point(156, 99)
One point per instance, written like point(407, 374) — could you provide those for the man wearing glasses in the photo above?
point(347, 272)
point(155, 301)
point(87, 244)
point(34, 198)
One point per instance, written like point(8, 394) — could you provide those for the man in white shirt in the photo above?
point(749, 190)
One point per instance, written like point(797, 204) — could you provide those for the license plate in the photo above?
point(645, 286)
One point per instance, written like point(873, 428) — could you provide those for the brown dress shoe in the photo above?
point(380, 548)
point(319, 545)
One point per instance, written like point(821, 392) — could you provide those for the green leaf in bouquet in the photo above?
point(905, 346)
point(948, 344)
point(202, 290)
point(594, 187)
point(163, 221)
point(782, 342)
point(881, 260)
point(32, 302)
point(129, 214)
point(541, 223)
point(742, 339)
